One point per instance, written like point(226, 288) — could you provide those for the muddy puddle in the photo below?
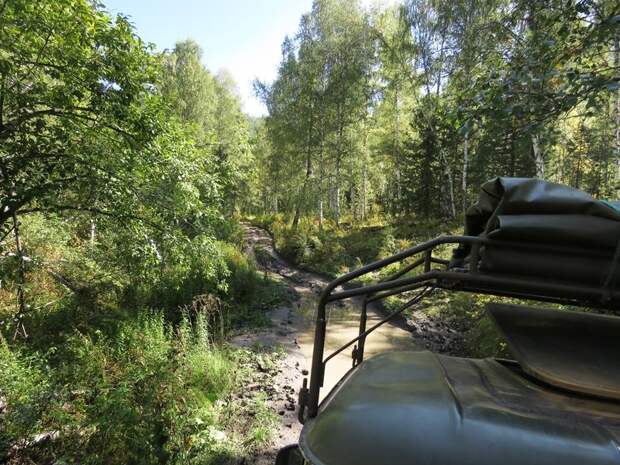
point(343, 326)
point(294, 324)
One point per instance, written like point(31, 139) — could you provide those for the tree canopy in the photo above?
point(406, 109)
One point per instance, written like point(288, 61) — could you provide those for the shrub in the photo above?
point(150, 389)
point(24, 392)
point(145, 395)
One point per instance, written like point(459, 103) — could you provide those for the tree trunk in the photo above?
point(448, 174)
point(330, 192)
point(363, 195)
point(338, 159)
point(465, 167)
point(578, 171)
point(396, 154)
point(337, 193)
point(321, 175)
point(399, 191)
point(295, 222)
point(353, 201)
point(513, 155)
point(539, 161)
point(93, 232)
point(617, 109)
point(21, 298)
point(302, 193)
point(364, 175)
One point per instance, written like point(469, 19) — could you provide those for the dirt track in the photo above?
point(292, 331)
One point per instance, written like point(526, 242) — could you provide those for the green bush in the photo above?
point(102, 378)
point(146, 395)
point(24, 392)
point(332, 250)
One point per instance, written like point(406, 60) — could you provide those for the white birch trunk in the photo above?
point(93, 232)
point(539, 161)
point(337, 193)
point(617, 111)
point(465, 168)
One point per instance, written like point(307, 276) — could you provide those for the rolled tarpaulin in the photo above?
point(532, 210)
point(581, 231)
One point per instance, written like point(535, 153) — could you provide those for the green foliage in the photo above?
point(154, 386)
point(335, 250)
point(24, 388)
point(146, 394)
point(68, 96)
point(121, 271)
point(431, 99)
point(210, 107)
point(317, 104)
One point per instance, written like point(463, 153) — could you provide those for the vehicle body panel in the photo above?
point(419, 408)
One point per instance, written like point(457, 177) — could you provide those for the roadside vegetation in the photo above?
point(334, 250)
point(122, 271)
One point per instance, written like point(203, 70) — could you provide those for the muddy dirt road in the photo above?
point(292, 331)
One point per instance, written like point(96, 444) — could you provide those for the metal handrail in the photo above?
point(470, 280)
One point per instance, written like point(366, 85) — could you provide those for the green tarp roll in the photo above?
point(538, 212)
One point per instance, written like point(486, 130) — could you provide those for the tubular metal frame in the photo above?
point(460, 279)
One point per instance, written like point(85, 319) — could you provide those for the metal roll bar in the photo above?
point(469, 279)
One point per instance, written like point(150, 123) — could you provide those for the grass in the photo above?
point(150, 393)
point(335, 250)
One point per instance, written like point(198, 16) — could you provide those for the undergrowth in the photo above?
point(121, 356)
point(152, 393)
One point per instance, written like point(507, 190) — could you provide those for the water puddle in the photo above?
point(343, 320)
point(343, 325)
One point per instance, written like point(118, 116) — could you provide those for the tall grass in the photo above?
point(147, 395)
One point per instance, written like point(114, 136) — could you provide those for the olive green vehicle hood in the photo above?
point(419, 408)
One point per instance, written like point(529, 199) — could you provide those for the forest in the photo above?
point(408, 110)
point(128, 176)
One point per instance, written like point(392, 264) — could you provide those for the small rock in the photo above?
point(217, 435)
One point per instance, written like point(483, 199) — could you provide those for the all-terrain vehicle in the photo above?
point(556, 403)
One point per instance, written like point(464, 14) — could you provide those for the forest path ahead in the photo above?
point(292, 330)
